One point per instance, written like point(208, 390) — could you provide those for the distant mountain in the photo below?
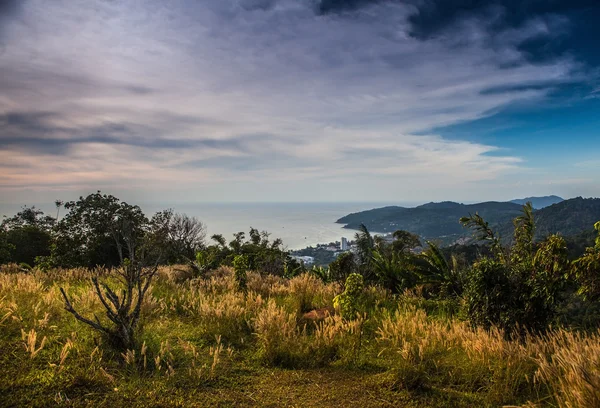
point(539, 202)
point(568, 218)
point(432, 220)
point(440, 221)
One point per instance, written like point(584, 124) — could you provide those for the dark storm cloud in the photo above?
point(435, 15)
point(336, 6)
point(9, 8)
point(433, 18)
point(38, 132)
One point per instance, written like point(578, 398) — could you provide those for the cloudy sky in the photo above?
point(299, 100)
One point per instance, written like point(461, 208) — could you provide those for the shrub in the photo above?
point(488, 297)
point(522, 291)
point(586, 270)
point(240, 265)
point(342, 267)
point(349, 303)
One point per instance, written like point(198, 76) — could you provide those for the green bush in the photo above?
point(521, 291)
point(342, 267)
point(349, 303)
point(240, 266)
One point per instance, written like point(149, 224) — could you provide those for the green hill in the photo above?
point(432, 220)
point(440, 220)
point(568, 218)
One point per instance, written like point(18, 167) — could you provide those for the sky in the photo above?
point(299, 100)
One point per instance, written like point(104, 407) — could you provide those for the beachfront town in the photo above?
point(324, 254)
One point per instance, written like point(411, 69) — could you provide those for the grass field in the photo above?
point(202, 343)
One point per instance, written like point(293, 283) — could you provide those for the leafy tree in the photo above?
point(219, 239)
point(520, 291)
point(524, 231)
point(586, 270)
point(405, 241)
point(58, 204)
point(25, 236)
point(93, 230)
point(261, 254)
point(237, 242)
point(342, 267)
point(6, 248)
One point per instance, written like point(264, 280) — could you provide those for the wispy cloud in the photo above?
point(154, 94)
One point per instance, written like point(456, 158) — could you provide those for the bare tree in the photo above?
point(135, 276)
point(186, 234)
point(124, 310)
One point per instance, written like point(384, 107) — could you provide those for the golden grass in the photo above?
point(200, 331)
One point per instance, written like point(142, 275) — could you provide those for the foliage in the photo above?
point(586, 270)
point(349, 302)
point(394, 271)
point(92, 231)
point(437, 221)
point(204, 341)
point(185, 236)
point(524, 230)
point(365, 245)
point(262, 254)
point(483, 232)
point(522, 291)
point(25, 236)
point(240, 265)
point(342, 267)
point(489, 299)
point(443, 277)
point(324, 274)
point(135, 276)
point(404, 241)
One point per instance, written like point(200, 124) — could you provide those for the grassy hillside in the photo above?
point(205, 344)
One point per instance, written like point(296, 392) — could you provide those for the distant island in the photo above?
point(439, 221)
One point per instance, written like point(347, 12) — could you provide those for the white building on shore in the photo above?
point(344, 246)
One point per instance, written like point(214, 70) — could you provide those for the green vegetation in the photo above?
point(439, 221)
point(241, 324)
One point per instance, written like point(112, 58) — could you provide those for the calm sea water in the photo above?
point(297, 224)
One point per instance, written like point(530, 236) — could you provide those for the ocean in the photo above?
point(297, 224)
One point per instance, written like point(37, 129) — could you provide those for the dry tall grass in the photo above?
point(193, 329)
